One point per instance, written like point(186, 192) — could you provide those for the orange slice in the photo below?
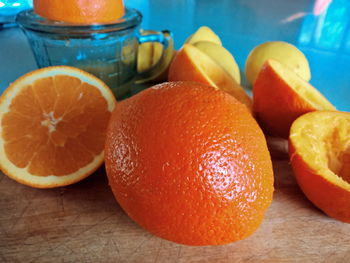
point(52, 126)
point(80, 11)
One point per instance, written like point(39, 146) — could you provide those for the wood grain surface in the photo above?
point(84, 223)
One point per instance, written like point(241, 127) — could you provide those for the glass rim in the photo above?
point(27, 19)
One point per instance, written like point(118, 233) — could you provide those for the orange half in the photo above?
point(80, 11)
point(53, 125)
point(319, 147)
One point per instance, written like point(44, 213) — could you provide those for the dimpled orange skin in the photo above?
point(189, 164)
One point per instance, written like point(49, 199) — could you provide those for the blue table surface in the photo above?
point(241, 24)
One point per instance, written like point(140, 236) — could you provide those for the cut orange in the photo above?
point(191, 64)
point(319, 148)
point(280, 96)
point(80, 11)
point(52, 126)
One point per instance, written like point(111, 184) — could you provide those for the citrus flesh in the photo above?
point(52, 126)
point(320, 157)
point(325, 141)
point(181, 163)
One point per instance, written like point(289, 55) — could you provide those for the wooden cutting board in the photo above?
point(84, 223)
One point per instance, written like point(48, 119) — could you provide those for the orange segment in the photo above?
point(52, 126)
point(24, 102)
point(80, 11)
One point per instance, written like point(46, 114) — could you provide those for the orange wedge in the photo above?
point(280, 96)
point(191, 64)
point(53, 125)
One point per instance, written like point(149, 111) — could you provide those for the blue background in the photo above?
point(241, 24)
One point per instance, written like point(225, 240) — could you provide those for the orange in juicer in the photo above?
point(80, 11)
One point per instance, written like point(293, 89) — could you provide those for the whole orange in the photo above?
point(189, 164)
